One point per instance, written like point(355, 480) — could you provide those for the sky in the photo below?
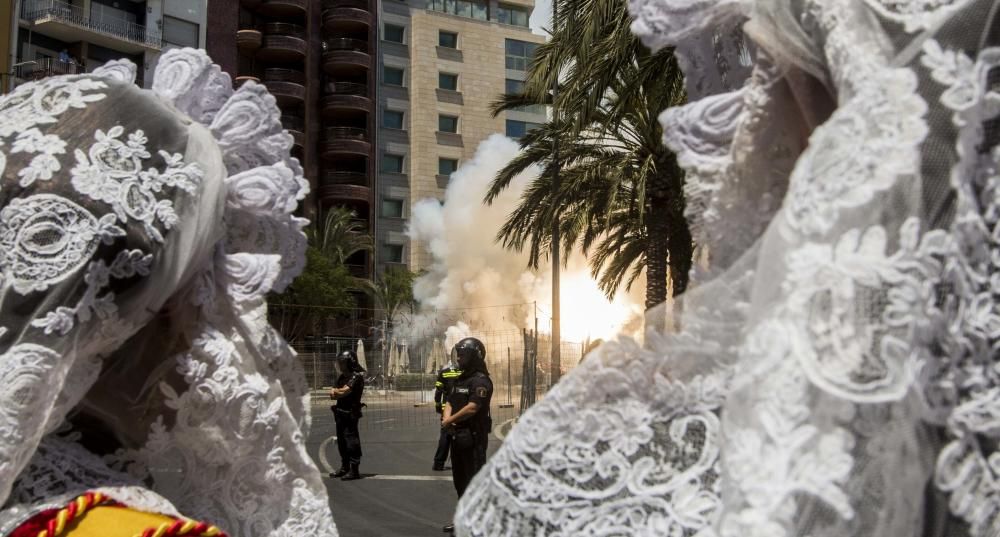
point(541, 16)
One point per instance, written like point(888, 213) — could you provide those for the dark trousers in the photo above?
point(467, 459)
point(348, 439)
point(441, 455)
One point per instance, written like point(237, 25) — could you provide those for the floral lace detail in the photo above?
point(41, 103)
point(638, 457)
point(46, 163)
point(963, 386)
point(112, 172)
point(46, 238)
point(127, 264)
point(117, 70)
point(27, 371)
point(917, 15)
point(868, 145)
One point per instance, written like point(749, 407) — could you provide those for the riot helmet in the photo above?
point(347, 361)
point(470, 355)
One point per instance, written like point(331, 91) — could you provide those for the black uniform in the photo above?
point(468, 449)
point(346, 413)
point(442, 388)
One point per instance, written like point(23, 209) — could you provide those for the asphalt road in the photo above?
point(400, 496)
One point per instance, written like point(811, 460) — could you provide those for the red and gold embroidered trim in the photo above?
point(181, 527)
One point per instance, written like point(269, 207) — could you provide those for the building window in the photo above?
point(517, 129)
point(447, 124)
point(519, 54)
point(447, 39)
point(473, 9)
point(392, 119)
point(516, 87)
point(392, 253)
point(392, 76)
point(180, 32)
point(392, 163)
point(394, 33)
point(447, 81)
point(513, 15)
point(392, 208)
point(447, 166)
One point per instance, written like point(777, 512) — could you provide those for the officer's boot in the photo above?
point(352, 474)
point(341, 472)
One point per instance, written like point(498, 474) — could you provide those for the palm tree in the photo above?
point(621, 193)
point(340, 236)
point(325, 284)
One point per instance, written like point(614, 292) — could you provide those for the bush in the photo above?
point(411, 381)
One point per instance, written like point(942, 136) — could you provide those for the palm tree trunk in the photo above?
point(657, 253)
point(669, 245)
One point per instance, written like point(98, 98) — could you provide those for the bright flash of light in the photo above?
point(587, 314)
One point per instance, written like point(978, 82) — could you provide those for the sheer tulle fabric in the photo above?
point(835, 370)
point(141, 231)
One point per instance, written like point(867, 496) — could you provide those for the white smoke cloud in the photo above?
point(471, 274)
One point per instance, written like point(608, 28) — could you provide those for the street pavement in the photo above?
point(399, 496)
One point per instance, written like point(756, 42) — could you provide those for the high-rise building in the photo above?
point(317, 57)
point(49, 37)
point(442, 63)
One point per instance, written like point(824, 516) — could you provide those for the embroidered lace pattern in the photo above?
point(139, 234)
point(835, 372)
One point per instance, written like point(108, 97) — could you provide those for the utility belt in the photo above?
point(343, 412)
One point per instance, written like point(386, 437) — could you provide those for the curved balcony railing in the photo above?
point(339, 97)
point(249, 38)
point(357, 4)
point(293, 123)
point(284, 28)
point(283, 8)
point(345, 133)
point(345, 178)
point(280, 74)
point(346, 15)
point(332, 193)
point(243, 79)
point(345, 88)
point(40, 11)
point(345, 44)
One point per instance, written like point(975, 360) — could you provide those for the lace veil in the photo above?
point(835, 372)
point(139, 233)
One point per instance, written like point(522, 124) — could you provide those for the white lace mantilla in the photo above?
point(836, 372)
point(139, 234)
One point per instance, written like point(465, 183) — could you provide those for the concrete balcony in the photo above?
point(345, 57)
point(340, 142)
point(282, 43)
point(345, 100)
point(249, 40)
point(283, 8)
point(287, 85)
point(347, 16)
point(69, 23)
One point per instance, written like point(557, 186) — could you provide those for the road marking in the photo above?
point(498, 430)
point(323, 461)
point(408, 477)
point(383, 421)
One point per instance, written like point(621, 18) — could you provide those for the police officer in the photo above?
point(467, 414)
point(347, 412)
point(442, 388)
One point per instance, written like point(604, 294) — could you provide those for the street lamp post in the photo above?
point(555, 356)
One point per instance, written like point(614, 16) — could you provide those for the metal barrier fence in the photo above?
point(401, 375)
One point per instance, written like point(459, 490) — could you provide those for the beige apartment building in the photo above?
point(442, 63)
